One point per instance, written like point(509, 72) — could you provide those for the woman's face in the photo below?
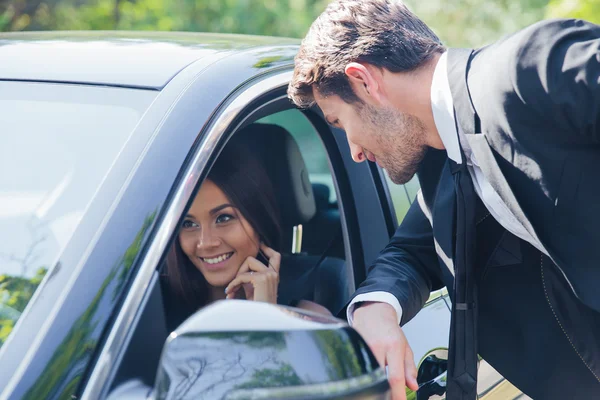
point(216, 237)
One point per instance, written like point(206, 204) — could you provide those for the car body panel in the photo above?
point(132, 59)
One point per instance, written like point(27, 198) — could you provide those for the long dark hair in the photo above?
point(242, 177)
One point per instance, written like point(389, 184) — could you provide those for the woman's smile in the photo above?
point(216, 261)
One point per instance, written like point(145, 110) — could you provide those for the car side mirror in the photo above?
point(237, 349)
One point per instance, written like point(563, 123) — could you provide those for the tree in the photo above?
point(15, 293)
point(259, 17)
point(70, 359)
point(458, 22)
point(474, 23)
point(584, 9)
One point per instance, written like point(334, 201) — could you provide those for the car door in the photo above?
point(134, 341)
point(72, 333)
point(370, 214)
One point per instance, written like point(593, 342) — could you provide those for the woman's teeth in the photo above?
point(216, 260)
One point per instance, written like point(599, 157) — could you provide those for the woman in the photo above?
point(229, 242)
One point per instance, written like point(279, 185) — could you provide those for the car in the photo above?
point(105, 138)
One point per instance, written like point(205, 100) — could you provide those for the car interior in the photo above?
point(316, 271)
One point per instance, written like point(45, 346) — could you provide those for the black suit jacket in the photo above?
point(529, 106)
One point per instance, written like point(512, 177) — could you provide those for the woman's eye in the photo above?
point(221, 219)
point(189, 224)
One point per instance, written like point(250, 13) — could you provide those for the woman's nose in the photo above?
point(206, 239)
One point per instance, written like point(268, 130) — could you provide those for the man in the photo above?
point(505, 141)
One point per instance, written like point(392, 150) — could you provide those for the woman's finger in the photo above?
point(263, 286)
point(243, 268)
point(251, 264)
point(237, 282)
point(273, 256)
point(256, 266)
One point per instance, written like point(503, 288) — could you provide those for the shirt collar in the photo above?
point(443, 109)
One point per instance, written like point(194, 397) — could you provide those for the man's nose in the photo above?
point(207, 239)
point(358, 155)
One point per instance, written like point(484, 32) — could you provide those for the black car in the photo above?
point(104, 138)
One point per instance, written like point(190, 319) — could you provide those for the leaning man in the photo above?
point(505, 141)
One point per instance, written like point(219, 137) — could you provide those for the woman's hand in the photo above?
point(259, 281)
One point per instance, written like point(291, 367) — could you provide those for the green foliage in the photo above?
point(338, 354)
point(258, 340)
point(584, 9)
point(273, 377)
point(18, 290)
point(263, 17)
point(473, 23)
point(15, 293)
point(79, 342)
point(458, 22)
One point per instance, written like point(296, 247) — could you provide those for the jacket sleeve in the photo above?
point(408, 266)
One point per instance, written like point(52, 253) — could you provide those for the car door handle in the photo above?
point(432, 376)
point(436, 386)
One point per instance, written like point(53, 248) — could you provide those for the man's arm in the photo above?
point(403, 275)
point(407, 268)
point(374, 297)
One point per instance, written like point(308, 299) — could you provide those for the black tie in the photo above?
point(462, 362)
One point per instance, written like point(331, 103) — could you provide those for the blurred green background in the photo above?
point(457, 22)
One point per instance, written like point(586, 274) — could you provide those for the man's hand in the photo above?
point(378, 325)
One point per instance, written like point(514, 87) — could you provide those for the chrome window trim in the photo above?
point(101, 371)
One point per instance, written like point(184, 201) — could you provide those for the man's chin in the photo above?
point(402, 181)
point(401, 177)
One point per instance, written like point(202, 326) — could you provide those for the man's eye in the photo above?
point(189, 224)
point(223, 218)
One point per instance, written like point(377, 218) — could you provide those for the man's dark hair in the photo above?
point(383, 33)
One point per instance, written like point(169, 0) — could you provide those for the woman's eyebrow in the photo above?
point(219, 208)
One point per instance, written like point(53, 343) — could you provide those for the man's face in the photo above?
point(395, 140)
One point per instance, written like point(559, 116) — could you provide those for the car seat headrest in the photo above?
point(285, 166)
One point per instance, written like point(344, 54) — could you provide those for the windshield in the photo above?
point(57, 143)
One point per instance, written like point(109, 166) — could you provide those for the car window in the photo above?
point(57, 143)
point(312, 148)
point(402, 195)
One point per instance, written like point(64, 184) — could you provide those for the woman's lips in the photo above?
point(216, 261)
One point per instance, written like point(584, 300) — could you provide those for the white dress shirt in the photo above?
point(443, 114)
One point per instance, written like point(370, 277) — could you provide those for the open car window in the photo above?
point(323, 233)
point(402, 196)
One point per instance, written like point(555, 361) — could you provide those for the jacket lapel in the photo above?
point(468, 121)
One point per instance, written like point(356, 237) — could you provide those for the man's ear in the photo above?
point(363, 81)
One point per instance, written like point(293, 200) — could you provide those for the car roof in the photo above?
point(117, 58)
